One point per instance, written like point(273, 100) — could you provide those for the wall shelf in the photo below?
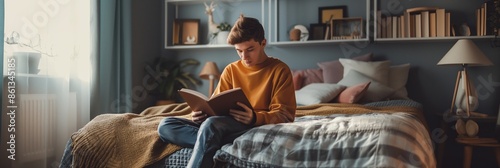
point(315, 42)
point(225, 11)
point(433, 38)
point(279, 16)
point(462, 15)
point(180, 47)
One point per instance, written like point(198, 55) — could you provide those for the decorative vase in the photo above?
point(222, 37)
point(295, 34)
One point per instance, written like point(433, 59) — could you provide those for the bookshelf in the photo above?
point(430, 21)
point(195, 9)
point(277, 16)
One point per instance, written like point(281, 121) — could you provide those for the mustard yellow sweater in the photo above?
point(268, 86)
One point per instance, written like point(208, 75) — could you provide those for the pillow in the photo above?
point(378, 71)
point(398, 76)
point(309, 76)
point(333, 71)
point(352, 94)
point(297, 81)
point(315, 93)
point(375, 92)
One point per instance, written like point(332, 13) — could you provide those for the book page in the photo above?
point(194, 92)
point(222, 102)
point(196, 101)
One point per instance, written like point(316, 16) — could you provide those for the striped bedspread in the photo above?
point(395, 139)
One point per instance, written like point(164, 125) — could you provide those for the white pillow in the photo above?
point(375, 92)
point(315, 93)
point(398, 76)
point(377, 70)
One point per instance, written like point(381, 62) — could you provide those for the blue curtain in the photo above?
point(112, 61)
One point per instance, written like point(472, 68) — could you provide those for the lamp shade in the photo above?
point(465, 52)
point(210, 68)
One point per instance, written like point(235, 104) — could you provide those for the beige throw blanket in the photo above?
point(344, 108)
point(124, 140)
point(131, 140)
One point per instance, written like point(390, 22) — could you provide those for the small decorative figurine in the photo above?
point(212, 26)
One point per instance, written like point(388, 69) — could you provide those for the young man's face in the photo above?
point(251, 52)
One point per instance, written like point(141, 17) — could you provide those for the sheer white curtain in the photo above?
point(53, 98)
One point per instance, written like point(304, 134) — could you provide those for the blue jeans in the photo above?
point(205, 139)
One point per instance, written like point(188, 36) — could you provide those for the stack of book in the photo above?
point(483, 23)
point(419, 22)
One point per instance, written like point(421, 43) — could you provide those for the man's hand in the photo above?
point(245, 117)
point(198, 116)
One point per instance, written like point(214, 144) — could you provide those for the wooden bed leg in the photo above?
point(497, 155)
point(467, 156)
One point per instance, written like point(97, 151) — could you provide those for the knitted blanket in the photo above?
point(124, 140)
point(344, 108)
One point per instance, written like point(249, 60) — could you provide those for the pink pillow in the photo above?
point(309, 76)
point(333, 71)
point(352, 94)
point(297, 81)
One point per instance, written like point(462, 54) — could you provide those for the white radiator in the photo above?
point(36, 126)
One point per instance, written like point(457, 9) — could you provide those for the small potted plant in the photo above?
point(172, 77)
point(223, 33)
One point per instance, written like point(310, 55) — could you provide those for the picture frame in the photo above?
point(347, 28)
point(317, 31)
point(186, 31)
point(331, 12)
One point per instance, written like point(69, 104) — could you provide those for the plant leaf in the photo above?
point(194, 81)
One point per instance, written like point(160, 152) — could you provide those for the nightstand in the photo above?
point(470, 143)
point(447, 122)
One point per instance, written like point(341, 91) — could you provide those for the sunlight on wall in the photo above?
point(59, 32)
point(58, 29)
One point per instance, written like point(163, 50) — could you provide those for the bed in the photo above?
point(378, 134)
point(353, 122)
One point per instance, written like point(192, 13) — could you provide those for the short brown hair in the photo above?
point(245, 29)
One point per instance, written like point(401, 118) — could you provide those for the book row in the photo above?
point(425, 22)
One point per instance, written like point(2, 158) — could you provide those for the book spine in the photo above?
point(432, 24)
point(440, 22)
point(418, 25)
point(425, 23)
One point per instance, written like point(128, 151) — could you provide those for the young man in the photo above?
point(266, 81)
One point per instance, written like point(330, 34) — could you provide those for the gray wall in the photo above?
point(146, 46)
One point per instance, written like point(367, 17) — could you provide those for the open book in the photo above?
point(216, 105)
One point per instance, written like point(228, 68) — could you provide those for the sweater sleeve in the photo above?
point(283, 105)
point(224, 81)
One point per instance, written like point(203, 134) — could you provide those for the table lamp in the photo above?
point(210, 72)
point(464, 53)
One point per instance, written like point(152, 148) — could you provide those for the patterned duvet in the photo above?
point(361, 140)
point(338, 140)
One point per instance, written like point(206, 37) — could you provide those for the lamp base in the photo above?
point(463, 78)
point(211, 86)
